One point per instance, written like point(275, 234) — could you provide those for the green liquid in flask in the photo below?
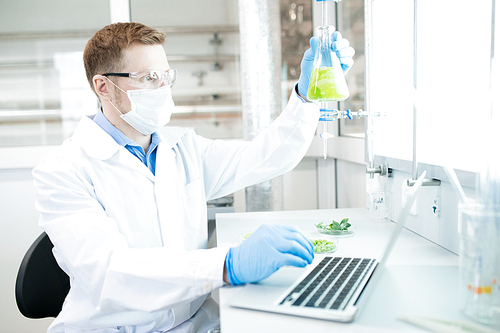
point(327, 84)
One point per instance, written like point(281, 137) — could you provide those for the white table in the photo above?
point(421, 278)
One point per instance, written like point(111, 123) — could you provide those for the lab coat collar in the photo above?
point(171, 135)
point(94, 140)
point(100, 145)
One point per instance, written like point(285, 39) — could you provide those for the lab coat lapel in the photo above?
point(94, 140)
point(100, 145)
point(131, 161)
point(167, 190)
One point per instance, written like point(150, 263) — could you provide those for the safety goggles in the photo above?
point(151, 79)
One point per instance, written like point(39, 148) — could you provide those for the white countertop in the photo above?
point(421, 278)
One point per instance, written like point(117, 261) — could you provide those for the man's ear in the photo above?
point(101, 86)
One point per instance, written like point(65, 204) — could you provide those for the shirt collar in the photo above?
point(117, 135)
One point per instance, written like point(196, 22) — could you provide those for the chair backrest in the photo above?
point(41, 285)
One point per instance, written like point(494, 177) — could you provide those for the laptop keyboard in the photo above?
point(331, 284)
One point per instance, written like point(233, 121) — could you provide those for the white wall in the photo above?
point(351, 184)
point(300, 186)
point(19, 230)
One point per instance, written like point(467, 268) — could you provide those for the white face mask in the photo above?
point(151, 109)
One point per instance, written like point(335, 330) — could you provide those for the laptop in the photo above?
point(335, 288)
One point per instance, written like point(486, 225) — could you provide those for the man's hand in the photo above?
point(265, 251)
point(338, 44)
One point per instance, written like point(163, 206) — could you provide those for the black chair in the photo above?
point(41, 285)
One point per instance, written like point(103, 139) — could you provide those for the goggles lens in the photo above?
point(153, 79)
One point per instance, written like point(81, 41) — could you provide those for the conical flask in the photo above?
point(327, 81)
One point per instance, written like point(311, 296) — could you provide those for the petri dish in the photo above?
point(338, 233)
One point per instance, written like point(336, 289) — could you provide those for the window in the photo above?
point(451, 69)
point(42, 88)
point(203, 45)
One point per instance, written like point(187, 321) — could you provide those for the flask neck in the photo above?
point(324, 34)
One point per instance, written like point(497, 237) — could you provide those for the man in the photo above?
point(126, 207)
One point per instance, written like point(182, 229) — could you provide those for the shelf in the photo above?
point(203, 58)
point(49, 64)
point(70, 34)
point(26, 116)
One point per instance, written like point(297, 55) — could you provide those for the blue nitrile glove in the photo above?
point(344, 51)
point(306, 66)
point(338, 44)
point(265, 251)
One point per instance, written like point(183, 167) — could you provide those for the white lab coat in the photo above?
point(134, 244)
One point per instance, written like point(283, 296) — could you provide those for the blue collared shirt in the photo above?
point(149, 159)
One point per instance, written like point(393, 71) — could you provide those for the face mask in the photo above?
point(151, 109)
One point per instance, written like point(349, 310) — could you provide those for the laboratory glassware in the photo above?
point(327, 81)
point(479, 262)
